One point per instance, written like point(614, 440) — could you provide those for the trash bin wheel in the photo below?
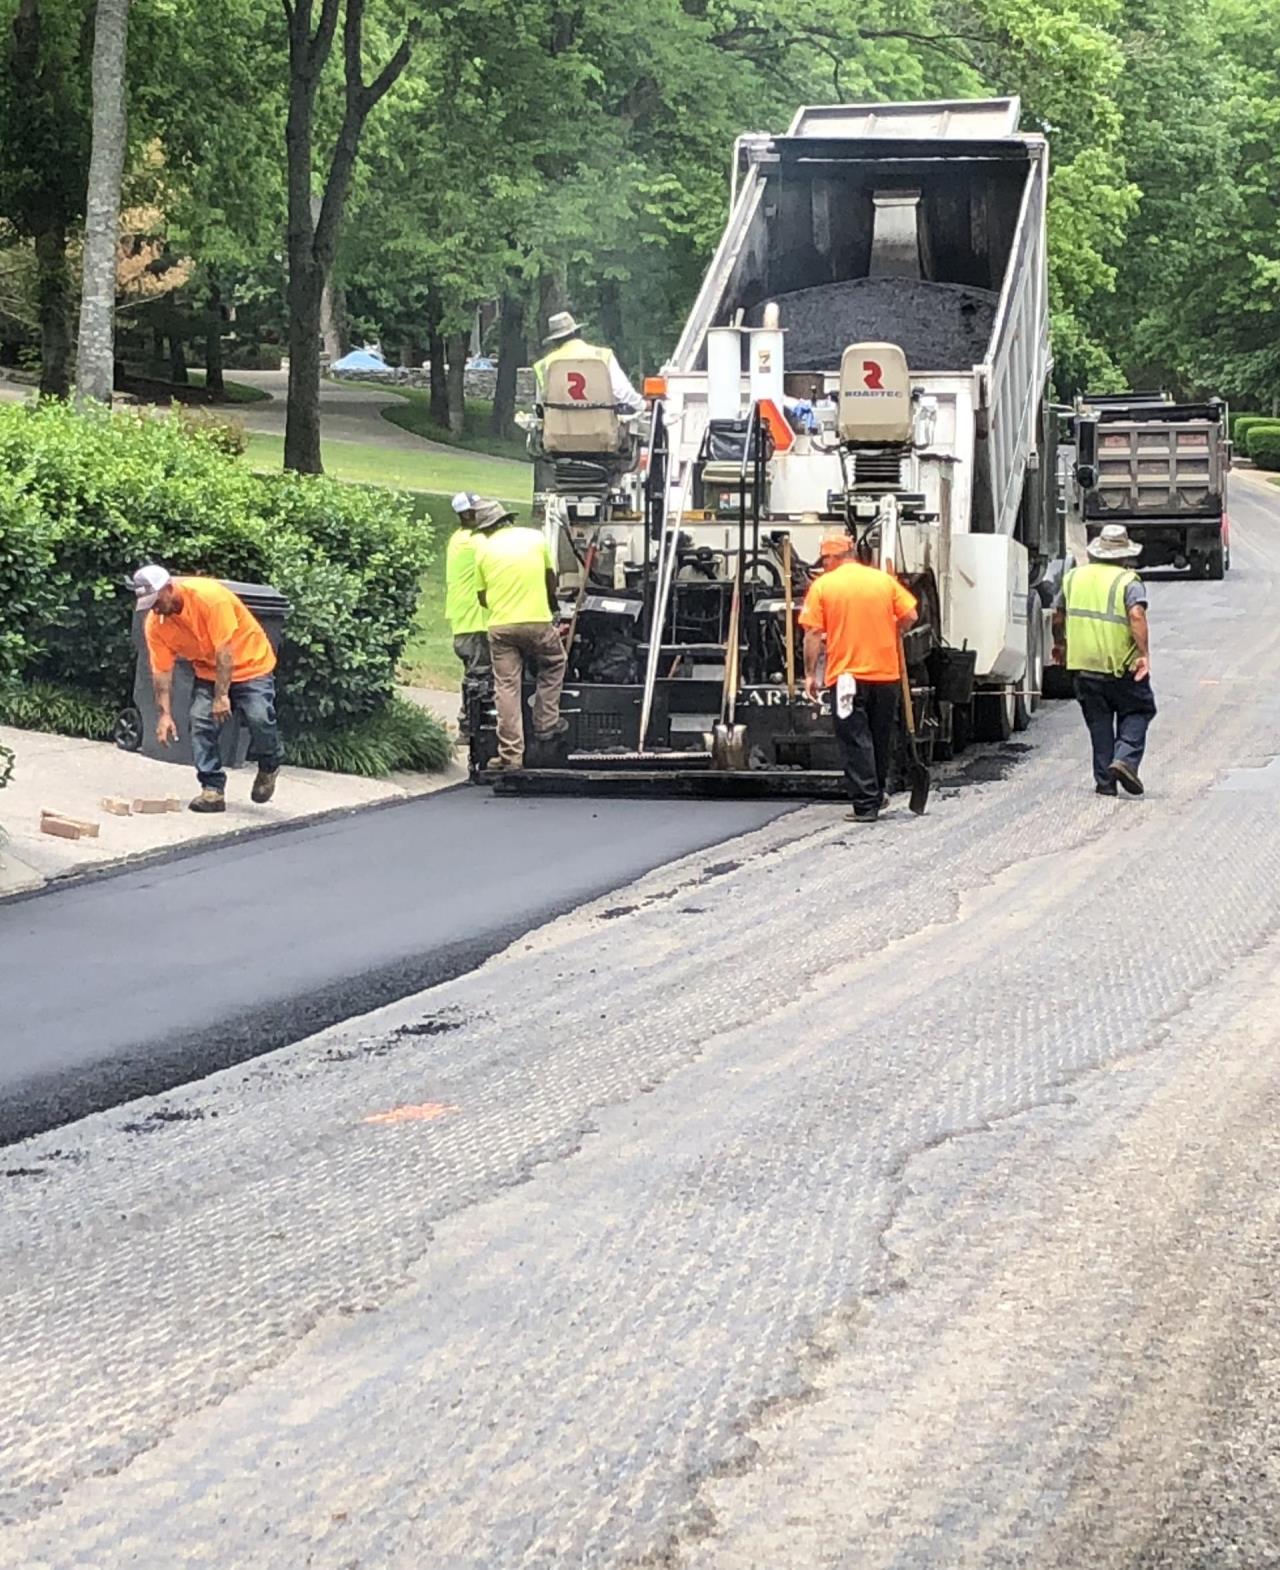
point(127, 733)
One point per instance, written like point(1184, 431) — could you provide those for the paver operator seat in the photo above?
point(583, 434)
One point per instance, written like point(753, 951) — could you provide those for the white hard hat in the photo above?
point(465, 501)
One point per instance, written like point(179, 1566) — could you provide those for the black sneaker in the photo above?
point(1128, 777)
point(1106, 790)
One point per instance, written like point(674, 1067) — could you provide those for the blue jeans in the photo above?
point(255, 701)
point(1117, 711)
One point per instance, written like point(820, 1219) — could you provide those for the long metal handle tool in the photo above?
point(917, 769)
point(588, 562)
point(789, 594)
point(668, 551)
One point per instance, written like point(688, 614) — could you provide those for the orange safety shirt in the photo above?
point(858, 608)
point(210, 616)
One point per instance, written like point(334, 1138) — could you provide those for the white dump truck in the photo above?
point(869, 350)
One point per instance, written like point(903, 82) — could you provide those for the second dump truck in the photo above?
point(1161, 469)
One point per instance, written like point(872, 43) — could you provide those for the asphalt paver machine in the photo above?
point(869, 351)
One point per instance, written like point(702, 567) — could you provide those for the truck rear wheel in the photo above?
point(1216, 563)
point(994, 714)
point(1028, 698)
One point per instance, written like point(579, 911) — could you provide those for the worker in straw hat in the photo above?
point(855, 615)
point(564, 341)
point(1100, 632)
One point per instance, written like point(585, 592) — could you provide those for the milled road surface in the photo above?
point(882, 1199)
point(146, 979)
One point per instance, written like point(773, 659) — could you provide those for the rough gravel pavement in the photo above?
point(892, 1198)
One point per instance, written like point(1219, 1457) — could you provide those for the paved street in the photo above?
point(879, 1199)
point(193, 964)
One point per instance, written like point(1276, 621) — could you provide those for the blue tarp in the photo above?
point(360, 360)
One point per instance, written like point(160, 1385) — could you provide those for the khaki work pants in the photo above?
point(509, 648)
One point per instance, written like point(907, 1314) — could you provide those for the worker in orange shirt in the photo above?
point(856, 613)
point(201, 621)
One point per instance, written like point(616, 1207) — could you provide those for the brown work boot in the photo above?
point(264, 785)
point(560, 728)
point(209, 801)
point(501, 766)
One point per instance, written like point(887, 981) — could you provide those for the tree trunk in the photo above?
point(306, 282)
point(177, 360)
point(302, 417)
point(459, 343)
point(330, 330)
point(436, 380)
point(553, 296)
point(95, 363)
point(510, 353)
point(53, 284)
point(213, 377)
point(313, 234)
point(611, 315)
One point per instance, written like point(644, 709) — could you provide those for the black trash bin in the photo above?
point(136, 726)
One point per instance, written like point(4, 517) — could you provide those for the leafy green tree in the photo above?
point(44, 158)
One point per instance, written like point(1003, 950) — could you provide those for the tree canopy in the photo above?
point(543, 153)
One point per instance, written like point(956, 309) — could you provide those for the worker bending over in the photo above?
point(1100, 632)
point(565, 342)
point(201, 621)
point(467, 618)
point(516, 585)
point(857, 614)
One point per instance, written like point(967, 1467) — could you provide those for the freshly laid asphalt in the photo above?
point(133, 983)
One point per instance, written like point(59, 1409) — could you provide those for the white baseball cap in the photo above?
point(464, 501)
point(147, 582)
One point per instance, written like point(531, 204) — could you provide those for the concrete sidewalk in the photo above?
point(67, 775)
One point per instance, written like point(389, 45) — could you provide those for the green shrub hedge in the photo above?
point(87, 497)
point(1242, 424)
point(62, 711)
point(1264, 445)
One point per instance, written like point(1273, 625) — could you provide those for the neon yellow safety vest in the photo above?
point(570, 349)
point(1099, 637)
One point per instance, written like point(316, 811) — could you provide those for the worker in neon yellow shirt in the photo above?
point(516, 584)
point(467, 618)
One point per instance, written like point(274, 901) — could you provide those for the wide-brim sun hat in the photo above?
point(561, 325)
point(490, 514)
point(1114, 544)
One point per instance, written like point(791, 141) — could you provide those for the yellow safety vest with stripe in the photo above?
point(1099, 637)
point(570, 349)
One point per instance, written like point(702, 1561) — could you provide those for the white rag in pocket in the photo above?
point(846, 690)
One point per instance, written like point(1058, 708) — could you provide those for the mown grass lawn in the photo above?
point(431, 480)
point(366, 463)
point(415, 416)
point(233, 392)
